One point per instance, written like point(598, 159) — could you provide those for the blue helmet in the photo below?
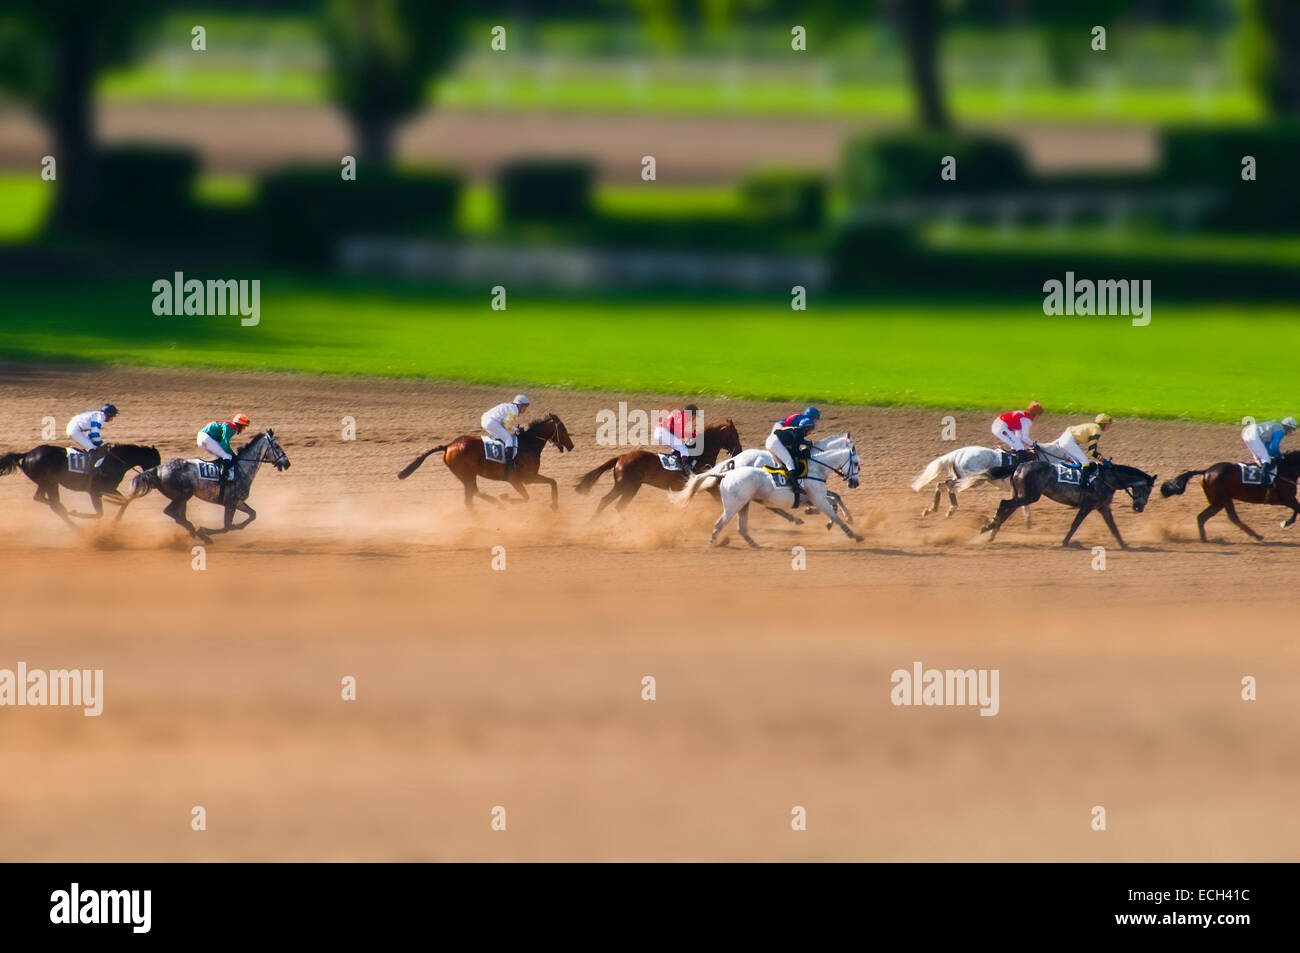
point(813, 412)
point(108, 410)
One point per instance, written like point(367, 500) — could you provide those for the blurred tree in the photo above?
point(1270, 43)
point(1067, 32)
point(922, 24)
point(382, 55)
point(50, 53)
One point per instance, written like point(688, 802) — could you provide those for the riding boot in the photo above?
point(795, 487)
point(510, 459)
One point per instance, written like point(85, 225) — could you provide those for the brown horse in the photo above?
point(637, 468)
point(465, 459)
point(1222, 484)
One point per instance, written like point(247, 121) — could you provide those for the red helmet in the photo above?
point(240, 420)
point(1035, 408)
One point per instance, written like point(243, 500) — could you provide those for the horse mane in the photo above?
point(252, 440)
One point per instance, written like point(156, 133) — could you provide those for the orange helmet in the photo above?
point(1035, 407)
point(240, 420)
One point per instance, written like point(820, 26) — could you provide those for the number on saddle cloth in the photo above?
point(78, 462)
point(1252, 474)
point(494, 449)
point(209, 470)
point(1068, 474)
point(669, 461)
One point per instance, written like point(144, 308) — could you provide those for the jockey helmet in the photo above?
point(1102, 420)
point(813, 412)
point(1288, 423)
point(1034, 408)
point(239, 420)
point(522, 400)
point(108, 410)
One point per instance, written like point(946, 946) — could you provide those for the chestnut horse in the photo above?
point(637, 468)
point(1222, 484)
point(465, 459)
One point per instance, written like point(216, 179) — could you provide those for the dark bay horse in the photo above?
point(638, 468)
point(1037, 479)
point(47, 467)
point(466, 460)
point(1222, 484)
point(180, 480)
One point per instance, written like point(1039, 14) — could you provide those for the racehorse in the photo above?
point(1037, 479)
point(467, 461)
point(47, 467)
point(637, 468)
point(180, 479)
point(1222, 484)
point(964, 468)
point(743, 485)
point(758, 457)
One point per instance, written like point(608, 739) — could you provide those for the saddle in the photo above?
point(778, 473)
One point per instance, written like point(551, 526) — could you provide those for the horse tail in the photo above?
point(415, 464)
point(973, 479)
point(932, 471)
point(589, 479)
point(1178, 484)
point(9, 461)
point(699, 481)
point(145, 481)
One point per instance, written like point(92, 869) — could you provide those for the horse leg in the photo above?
point(97, 504)
point(1232, 515)
point(721, 523)
point(938, 491)
point(824, 505)
point(952, 497)
point(176, 510)
point(744, 526)
point(244, 507)
point(1005, 509)
point(1205, 514)
point(788, 517)
point(555, 488)
point(1026, 509)
point(52, 499)
point(1078, 520)
point(1109, 517)
point(629, 490)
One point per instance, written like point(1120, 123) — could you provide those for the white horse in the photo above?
point(758, 457)
point(961, 469)
point(743, 485)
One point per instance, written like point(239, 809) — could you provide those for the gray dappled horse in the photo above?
point(179, 479)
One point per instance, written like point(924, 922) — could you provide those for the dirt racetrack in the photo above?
point(523, 689)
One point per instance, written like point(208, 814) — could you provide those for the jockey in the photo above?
point(1264, 440)
point(83, 430)
point(502, 422)
point(1012, 428)
point(788, 443)
point(215, 439)
point(675, 430)
point(1080, 443)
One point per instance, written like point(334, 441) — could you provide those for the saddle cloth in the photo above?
point(1068, 474)
point(778, 475)
point(78, 462)
point(669, 462)
point(208, 470)
point(1252, 474)
point(1008, 460)
point(494, 449)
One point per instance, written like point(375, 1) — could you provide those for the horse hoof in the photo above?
point(857, 539)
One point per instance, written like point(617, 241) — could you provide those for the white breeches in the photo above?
point(1070, 447)
point(207, 443)
point(777, 449)
point(496, 429)
point(1256, 446)
point(664, 436)
point(80, 438)
point(1012, 438)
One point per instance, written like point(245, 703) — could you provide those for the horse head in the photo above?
point(268, 449)
point(551, 429)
